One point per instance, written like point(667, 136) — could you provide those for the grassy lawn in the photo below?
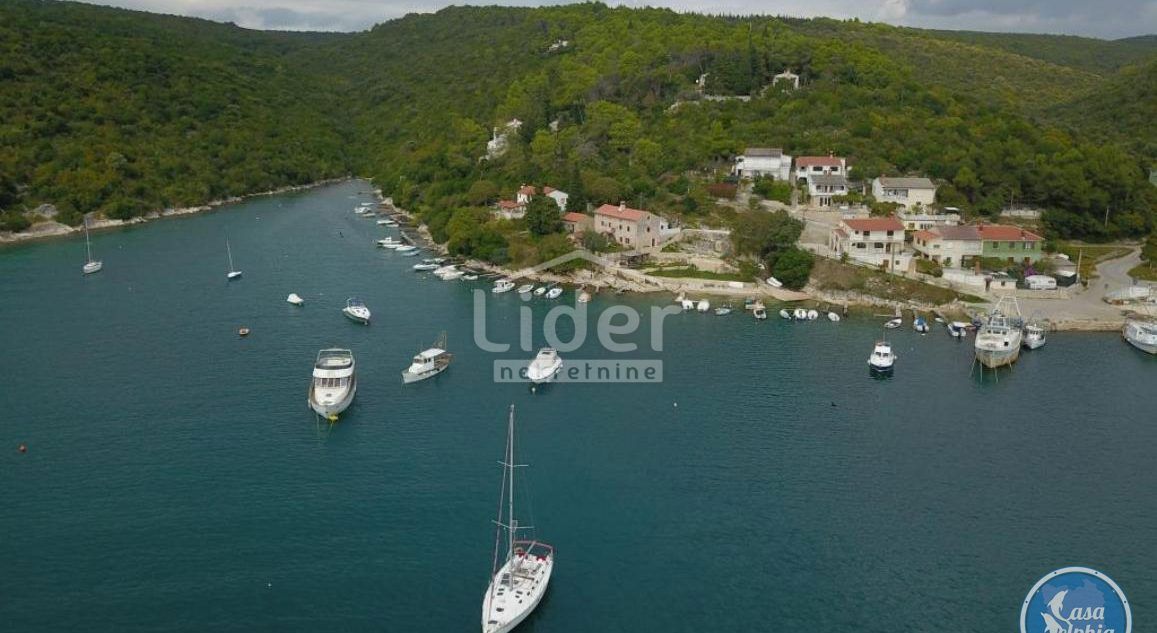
point(830, 274)
point(1145, 272)
point(694, 273)
point(1093, 255)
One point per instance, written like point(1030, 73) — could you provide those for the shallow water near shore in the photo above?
point(176, 481)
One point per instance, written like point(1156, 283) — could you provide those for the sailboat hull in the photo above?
point(502, 613)
point(93, 267)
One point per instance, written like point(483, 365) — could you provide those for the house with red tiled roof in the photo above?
point(577, 223)
point(526, 192)
point(632, 228)
point(875, 241)
point(950, 246)
point(1010, 243)
point(808, 166)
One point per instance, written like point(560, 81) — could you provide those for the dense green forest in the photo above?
point(121, 112)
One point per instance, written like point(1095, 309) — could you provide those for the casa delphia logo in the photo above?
point(1076, 600)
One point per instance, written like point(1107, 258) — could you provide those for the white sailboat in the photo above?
point(90, 265)
point(519, 576)
point(233, 272)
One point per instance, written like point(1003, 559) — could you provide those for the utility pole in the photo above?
point(1106, 216)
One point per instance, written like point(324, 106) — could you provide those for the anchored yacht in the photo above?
point(429, 362)
point(334, 383)
point(545, 366)
point(356, 310)
point(882, 359)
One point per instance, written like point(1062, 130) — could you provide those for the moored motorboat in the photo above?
point(502, 285)
point(958, 329)
point(833, 317)
point(406, 248)
point(470, 277)
point(703, 305)
point(894, 323)
point(1034, 336)
point(1141, 334)
point(334, 382)
point(425, 266)
point(520, 575)
point(799, 314)
point(388, 242)
point(759, 312)
point(998, 341)
point(540, 291)
point(294, 299)
point(812, 315)
point(920, 325)
point(356, 310)
point(545, 366)
point(525, 289)
point(785, 315)
point(882, 359)
point(554, 293)
point(451, 275)
point(584, 296)
point(428, 362)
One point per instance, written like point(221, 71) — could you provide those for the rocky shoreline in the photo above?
point(52, 229)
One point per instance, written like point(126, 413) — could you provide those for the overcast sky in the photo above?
point(1096, 18)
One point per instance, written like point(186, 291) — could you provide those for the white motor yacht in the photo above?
point(545, 366)
point(882, 358)
point(356, 310)
point(1141, 334)
point(334, 383)
point(428, 362)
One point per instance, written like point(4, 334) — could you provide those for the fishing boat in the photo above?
point(774, 283)
point(525, 289)
point(424, 266)
point(294, 299)
point(833, 317)
point(920, 325)
point(94, 265)
point(334, 383)
point(1034, 336)
point(894, 323)
point(882, 359)
point(998, 341)
point(1141, 334)
point(519, 575)
point(428, 362)
point(545, 366)
point(554, 293)
point(703, 305)
point(356, 310)
point(502, 285)
point(785, 315)
point(233, 272)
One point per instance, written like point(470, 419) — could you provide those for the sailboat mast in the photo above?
point(87, 243)
point(229, 251)
point(513, 524)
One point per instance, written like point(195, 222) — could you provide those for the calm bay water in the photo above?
point(176, 481)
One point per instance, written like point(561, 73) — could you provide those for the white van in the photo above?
point(1040, 282)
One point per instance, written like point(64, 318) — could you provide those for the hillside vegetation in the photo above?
point(119, 112)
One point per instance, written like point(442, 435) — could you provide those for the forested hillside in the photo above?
point(119, 112)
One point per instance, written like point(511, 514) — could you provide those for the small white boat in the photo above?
point(703, 305)
point(958, 329)
point(812, 315)
point(334, 383)
point(882, 358)
point(725, 310)
point(785, 315)
point(470, 277)
point(540, 291)
point(544, 367)
point(451, 275)
point(442, 270)
point(894, 323)
point(833, 317)
point(1034, 337)
point(233, 272)
point(525, 289)
point(521, 572)
point(1141, 334)
point(583, 296)
point(424, 266)
point(759, 312)
point(356, 310)
point(920, 325)
point(554, 293)
point(294, 299)
point(429, 362)
point(388, 242)
point(385, 222)
point(434, 260)
point(799, 314)
point(413, 253)
point(94, 265)
point(502, 285)
point(406, 248)
point(774, 283)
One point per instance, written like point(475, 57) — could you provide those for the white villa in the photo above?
point(822, 188)
point(920, 221)
point(950, 246)
point(875, 241)
point(808, 166)
point(763, 161)
point(907, 192)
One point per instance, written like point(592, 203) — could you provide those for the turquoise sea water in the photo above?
point(176, 481)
